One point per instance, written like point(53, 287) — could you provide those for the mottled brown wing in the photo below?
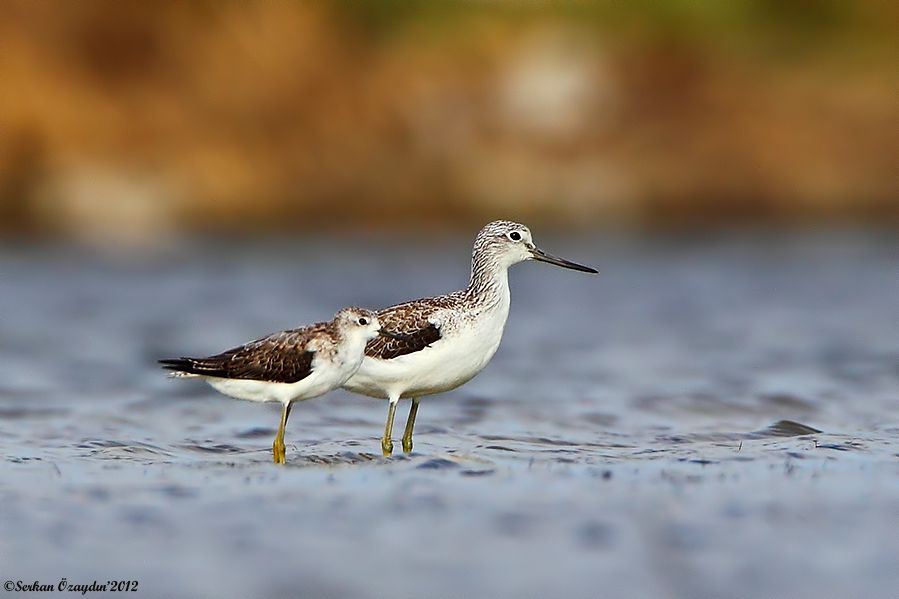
point(279, 358)
point(414, 330)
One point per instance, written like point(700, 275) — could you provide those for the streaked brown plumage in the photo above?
point(284, 357)
point(414, 333)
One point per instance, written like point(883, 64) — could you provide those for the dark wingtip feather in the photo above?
point(177, 364)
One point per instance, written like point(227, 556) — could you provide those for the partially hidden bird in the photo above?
point(288, 366)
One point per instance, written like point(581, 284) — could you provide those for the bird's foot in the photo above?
point(279, 452)
point(387, 447)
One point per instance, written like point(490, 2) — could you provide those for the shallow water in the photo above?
point(714, 418)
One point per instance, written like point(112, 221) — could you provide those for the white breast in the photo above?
point(466, 347)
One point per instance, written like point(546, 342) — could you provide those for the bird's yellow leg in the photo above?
point(279, 451)
point(386, 440)
point(410, 424)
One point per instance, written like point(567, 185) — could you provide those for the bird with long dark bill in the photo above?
point(442, 342)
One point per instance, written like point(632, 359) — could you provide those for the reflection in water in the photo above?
point(698, 419)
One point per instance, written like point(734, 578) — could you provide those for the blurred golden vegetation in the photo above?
point(129, 120)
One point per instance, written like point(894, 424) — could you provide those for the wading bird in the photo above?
point(442, 342)
point(289, 366)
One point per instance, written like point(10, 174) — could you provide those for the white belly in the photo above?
point(448, 363)
point(324, 378)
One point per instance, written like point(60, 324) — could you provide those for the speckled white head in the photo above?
point(358, 323)
point(505, 243)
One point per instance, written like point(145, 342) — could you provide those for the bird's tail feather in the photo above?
point(180, 367)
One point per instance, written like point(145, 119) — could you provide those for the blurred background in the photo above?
point(129, 122)
point(715, 415)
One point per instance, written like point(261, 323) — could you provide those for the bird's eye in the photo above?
point(515, 236)
point(363, 321)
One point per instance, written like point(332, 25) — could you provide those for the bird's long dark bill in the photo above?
point(542, 256)
point(389, 335)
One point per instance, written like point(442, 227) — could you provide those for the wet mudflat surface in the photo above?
point(715, 418)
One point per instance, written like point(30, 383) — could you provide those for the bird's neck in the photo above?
point(489, 283)
point(353, 344)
